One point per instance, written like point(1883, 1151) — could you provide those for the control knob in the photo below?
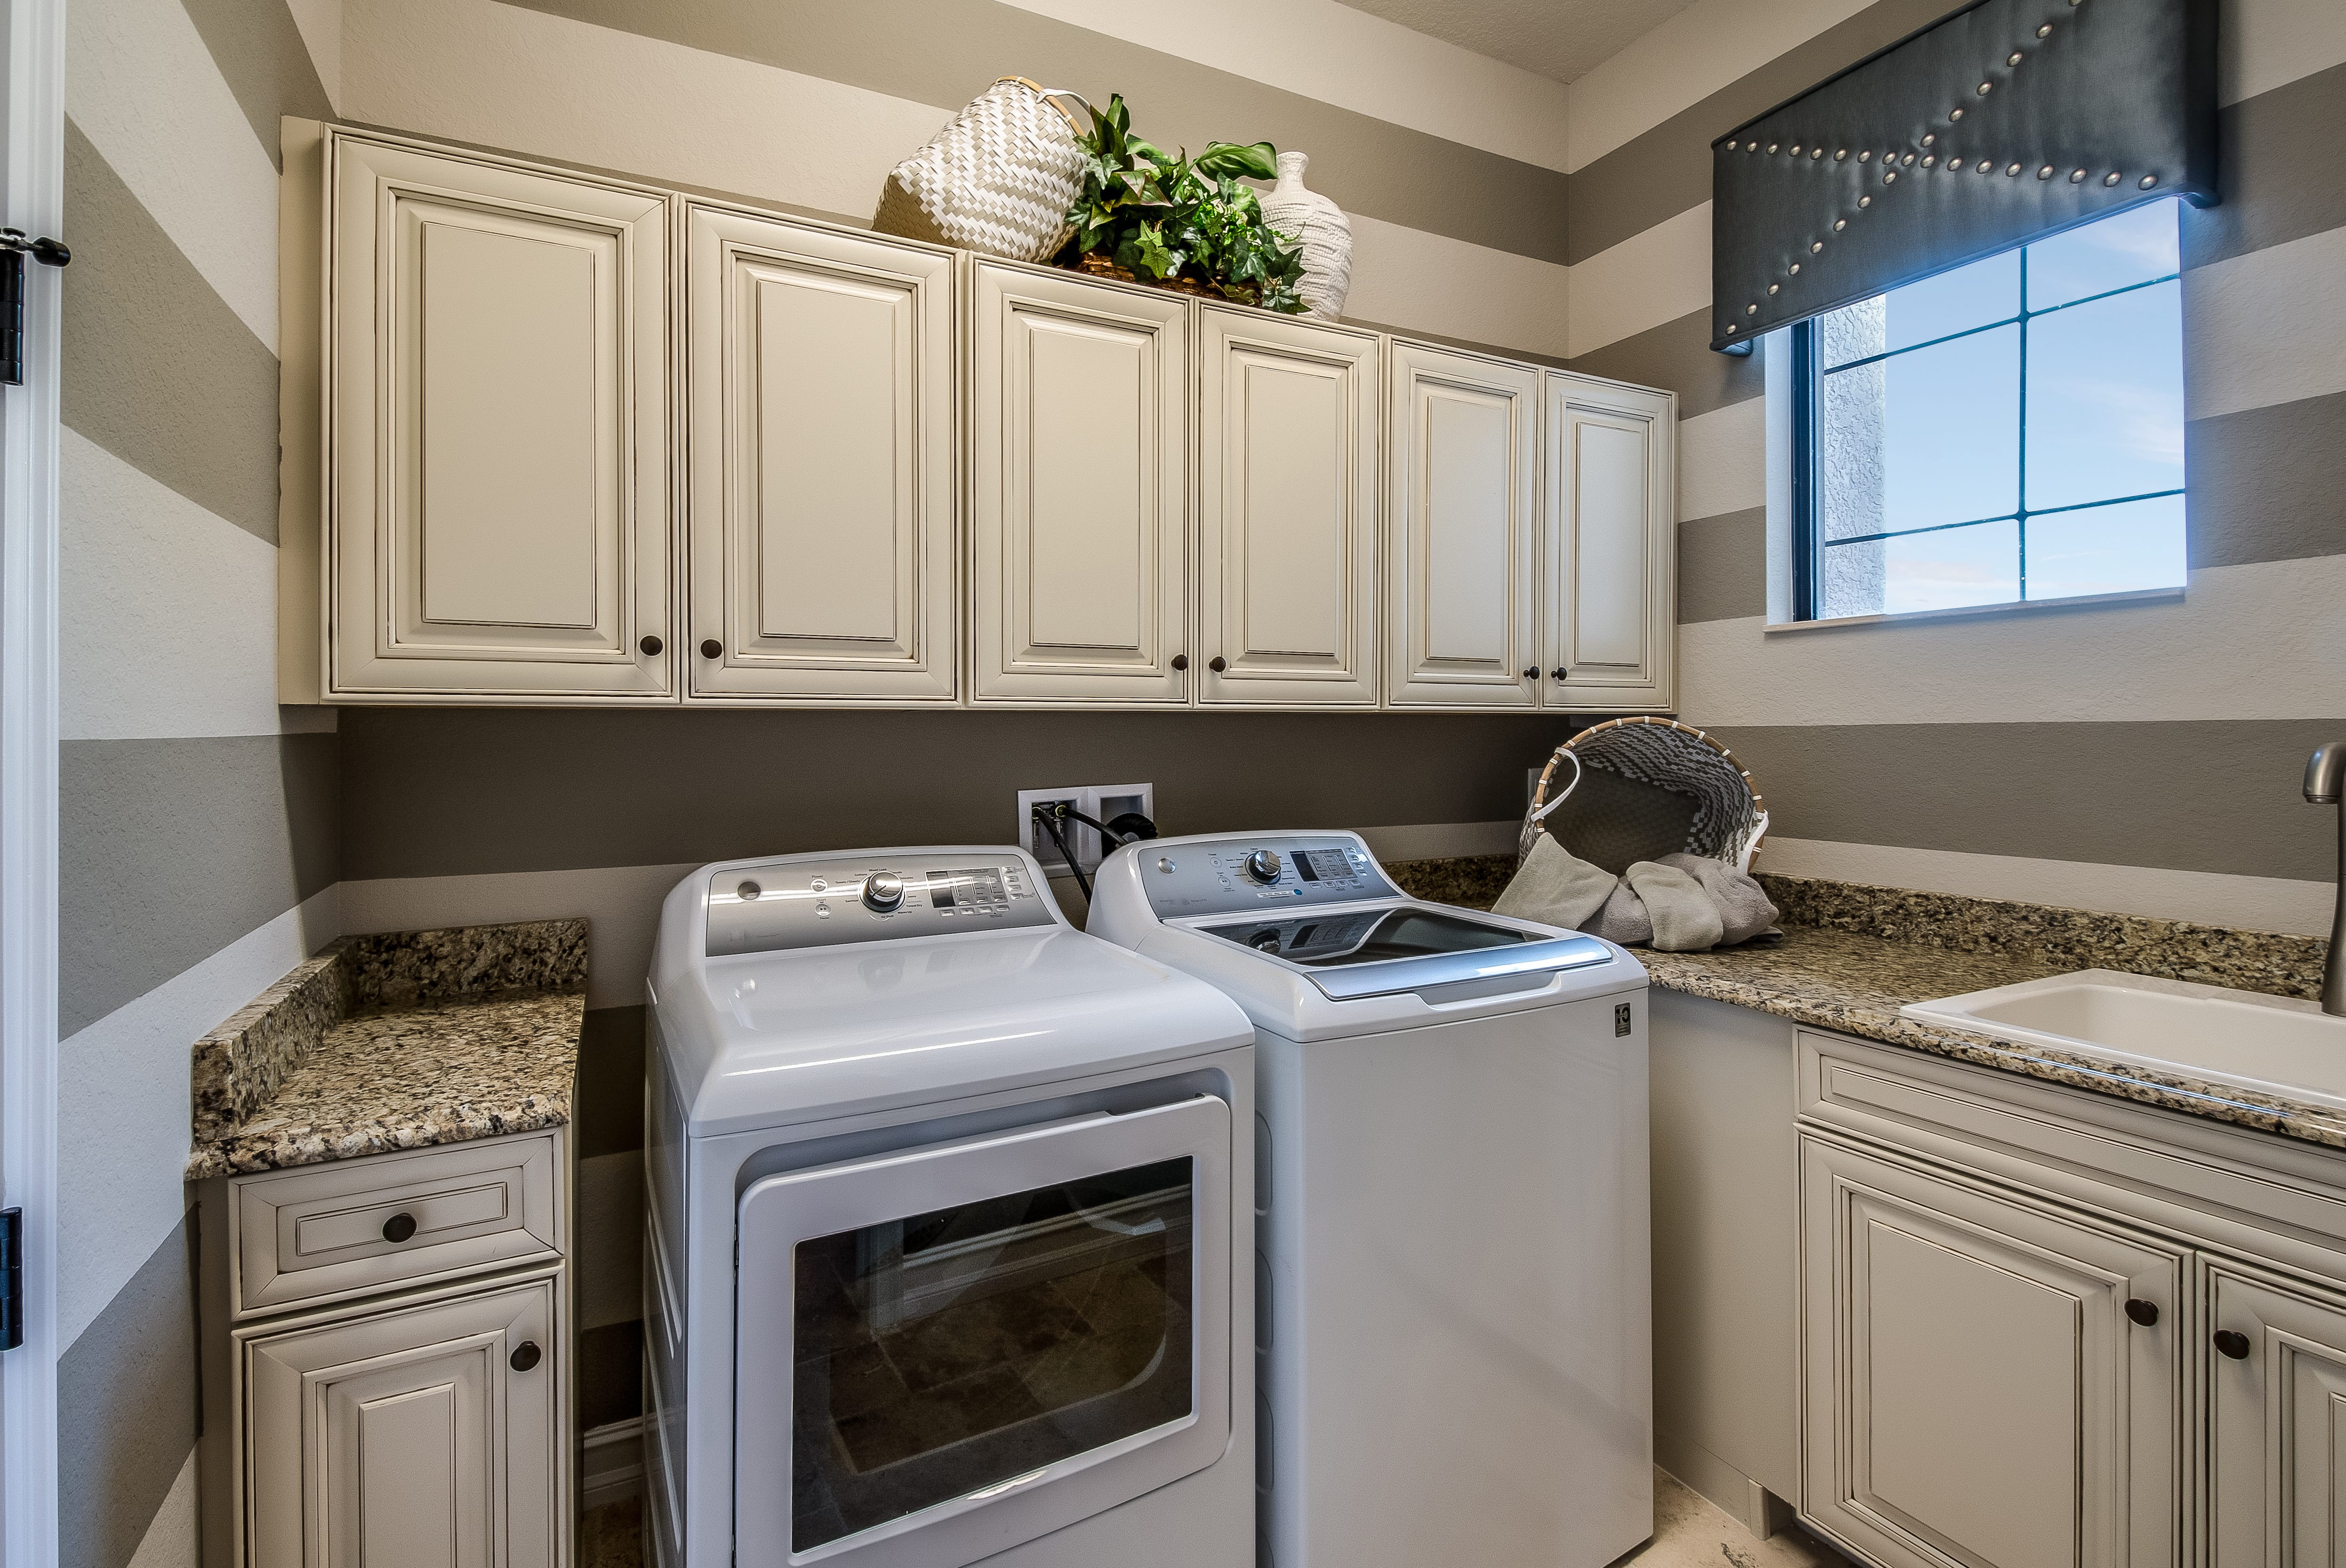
point(882, 892)
point(1263, 865)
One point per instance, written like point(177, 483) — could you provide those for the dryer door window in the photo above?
point(938, 1354)
point(1035, 1324)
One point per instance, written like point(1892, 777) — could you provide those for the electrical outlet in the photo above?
point(1102, 802)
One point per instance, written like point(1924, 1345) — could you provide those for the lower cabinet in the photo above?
point(1988, 1381)
point(426, 1436)
point(386, 1369)
point(2276, 1423)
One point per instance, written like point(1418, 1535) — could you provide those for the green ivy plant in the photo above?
point(1159, 215)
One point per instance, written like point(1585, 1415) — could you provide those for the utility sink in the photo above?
point(2275, 1043)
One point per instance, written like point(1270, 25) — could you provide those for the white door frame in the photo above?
point(34, 186)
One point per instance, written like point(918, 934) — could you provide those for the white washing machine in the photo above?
point(949, 1228)
point(1451, 1193)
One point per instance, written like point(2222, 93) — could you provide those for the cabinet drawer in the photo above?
point(2257, 1192)
point(325, 1232)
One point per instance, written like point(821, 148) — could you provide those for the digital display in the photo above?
point(1318, 865)
point(973, 889)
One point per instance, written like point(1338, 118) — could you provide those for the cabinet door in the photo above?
point(1079, 490)
point(498, 512)
point(410, 1437)
point(2277, 1425)
point(1976, 1392)
point(1287, 511)
point(820, 404)
point(1459, 546)
point(1611, 543)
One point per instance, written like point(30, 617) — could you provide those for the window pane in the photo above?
point(1951, 567)
point(1920, 312)
point(1924, 438)
point(937, 1355)
point(2105, 399)
point(2125, 247)
point(2107, 549)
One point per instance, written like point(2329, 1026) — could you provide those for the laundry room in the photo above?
point(1335, 784)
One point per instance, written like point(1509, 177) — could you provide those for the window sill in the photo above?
point(1974, 612)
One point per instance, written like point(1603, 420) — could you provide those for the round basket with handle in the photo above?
point(1638, 788)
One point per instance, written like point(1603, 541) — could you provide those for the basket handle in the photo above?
point(1563, 754)
point(1052, 96)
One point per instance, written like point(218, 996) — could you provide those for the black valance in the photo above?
point(2005, 122)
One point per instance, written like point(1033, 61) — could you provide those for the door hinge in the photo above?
point(12, 1278)
point(13, 249)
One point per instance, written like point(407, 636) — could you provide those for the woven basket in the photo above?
point(998, 179)
point(1643, 788)
point(1100, 266)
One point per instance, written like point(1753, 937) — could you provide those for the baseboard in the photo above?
point(612, 1467)
point(1711, 1477)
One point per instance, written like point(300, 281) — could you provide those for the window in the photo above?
point(2010, 432)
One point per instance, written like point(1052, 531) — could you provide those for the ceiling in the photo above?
point(1561, 39)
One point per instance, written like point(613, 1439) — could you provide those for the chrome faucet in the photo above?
point(2325, 785)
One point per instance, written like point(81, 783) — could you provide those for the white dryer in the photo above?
point(949, 1220)
point(1453, 1293)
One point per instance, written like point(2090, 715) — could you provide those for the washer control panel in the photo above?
point(1220, 876)
point(825, 901)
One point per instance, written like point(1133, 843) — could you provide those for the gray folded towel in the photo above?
point(1556, 886)
point(1679, 903)
point(1685, 919)
point(1622, 920)
point(1744, 908)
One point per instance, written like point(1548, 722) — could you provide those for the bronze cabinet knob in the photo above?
point(525, 1355)
point(399, 1228)
point(1181, 661)
point(1217, 664)
point(2142, 1312)
point(2232, 1343)
point(711, 649)
point(651, 644)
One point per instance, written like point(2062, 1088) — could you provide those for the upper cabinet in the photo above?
point(1609, 632)
point(820, 413)
point(906, 475)
point(497, 370)
point(1079, 490)
point(1289, 414)
point(1461, 546)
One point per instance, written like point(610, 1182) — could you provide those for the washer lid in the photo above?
point(771, 1039)
point(1379, 951)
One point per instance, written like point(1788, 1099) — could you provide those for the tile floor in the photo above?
point(1689, 1532)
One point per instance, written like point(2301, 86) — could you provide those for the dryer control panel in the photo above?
point(1223, 876)
point(882, 896)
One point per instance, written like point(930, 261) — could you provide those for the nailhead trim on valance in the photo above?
point(2117, 97)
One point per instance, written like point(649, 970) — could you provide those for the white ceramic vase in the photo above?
point(1326, 233)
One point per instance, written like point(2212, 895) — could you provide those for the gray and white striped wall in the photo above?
point(2138, 758)
point(2135, 759)
point(199, 840)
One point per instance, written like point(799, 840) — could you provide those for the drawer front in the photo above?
point(326, 1232)
point(2233, 1187)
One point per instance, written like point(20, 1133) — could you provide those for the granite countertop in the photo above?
point(1851, 956)
point(399, 1040)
